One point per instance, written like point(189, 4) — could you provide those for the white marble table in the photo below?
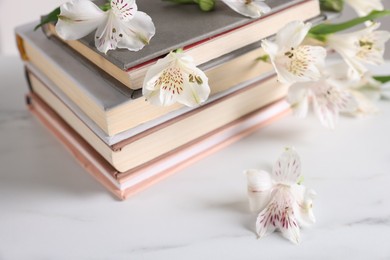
point(51, 209)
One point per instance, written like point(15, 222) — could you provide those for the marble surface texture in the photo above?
point(51, 209)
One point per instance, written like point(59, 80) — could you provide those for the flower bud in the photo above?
point(332, 5)
point(206, 5)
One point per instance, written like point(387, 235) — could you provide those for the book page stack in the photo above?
point(93, 102)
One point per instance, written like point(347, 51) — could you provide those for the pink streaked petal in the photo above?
point(287, 168)
point(137, 32)
point(107, 35)
point(279, 214)
point(124, 9)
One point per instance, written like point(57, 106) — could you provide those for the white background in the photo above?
point(14, 13)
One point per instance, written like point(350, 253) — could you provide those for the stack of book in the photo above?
point(93, 102)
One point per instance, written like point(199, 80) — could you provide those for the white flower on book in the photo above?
point(292, 61)
point(283, 203)
point(362, 47)
point(175, 78)
point(329, 97)
point(122, 26)
point(250, 8)
point(364, 7)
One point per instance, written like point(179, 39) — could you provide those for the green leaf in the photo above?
point(382, 79)
point(323, 29)
point(332, 5)
point(51, 17)
point(264, 58)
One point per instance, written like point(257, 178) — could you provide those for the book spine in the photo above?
point(21, 48)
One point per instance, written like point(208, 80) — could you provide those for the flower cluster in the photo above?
point(329, 89)
point(283, 203)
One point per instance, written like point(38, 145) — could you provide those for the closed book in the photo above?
point(203, 35)
point(127, 183)
point(140, 148)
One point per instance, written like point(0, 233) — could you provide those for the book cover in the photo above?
point(128, 183)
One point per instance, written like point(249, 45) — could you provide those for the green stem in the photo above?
point(382, 79)
point(324, 29)
point(106, 6)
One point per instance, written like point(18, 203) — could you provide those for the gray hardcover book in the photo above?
point(178, 26)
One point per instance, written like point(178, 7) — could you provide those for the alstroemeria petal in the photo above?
point(292, 34)
point(196, 89)
point(365, 106)
point(361, 47)
point(298, 97)
point(137, 32)
point(287, 168)
point(174, 79)
point(267, 218)
point(364, 7)
point(78, 18)
point(124, 9)
point(279, 213)
point(300, 64)
point(251, 8)
point(170, 84)
point(259, 189)
point(303, 206)
point(107, 35)
point(385, 90)
point(329, 100)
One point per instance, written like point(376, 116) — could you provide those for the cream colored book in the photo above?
point(153, 143)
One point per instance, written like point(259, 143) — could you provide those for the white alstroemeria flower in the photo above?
point(249, 8)
point(364, 7)
point(328, 98)
point(365, 91)
point(283, 204)
point(123, 26)
point(362, 47)
point(173, 79)
point(294, 62)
